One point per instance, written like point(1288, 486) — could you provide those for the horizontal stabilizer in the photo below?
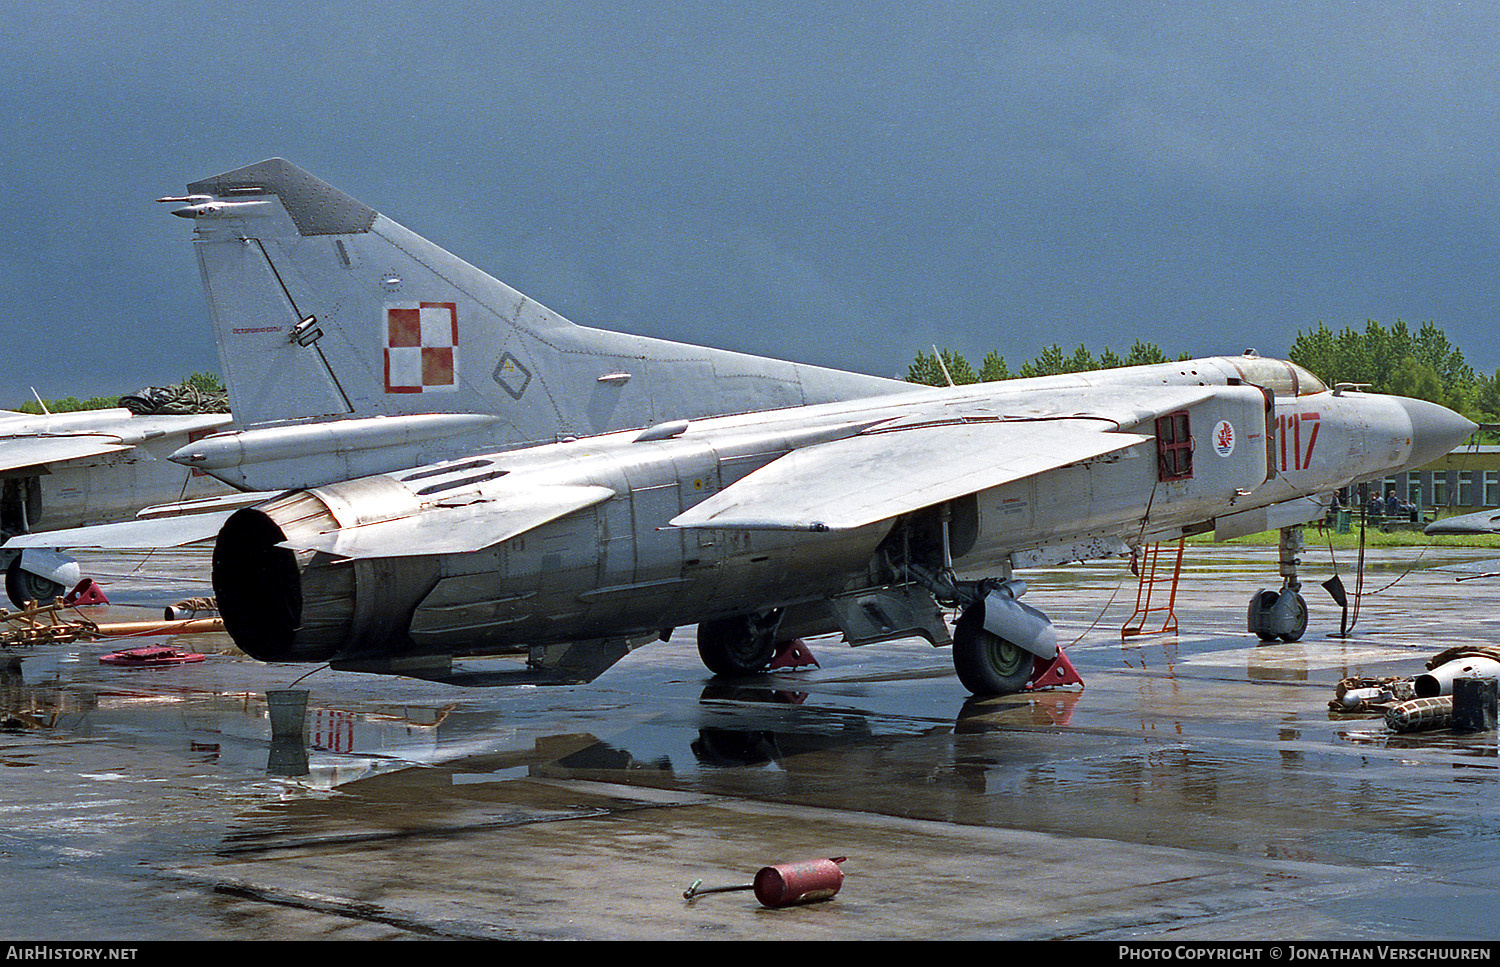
point(36, 451)
point(202, 505)
point(131, 534)
point(455, 529)
point(863, 479)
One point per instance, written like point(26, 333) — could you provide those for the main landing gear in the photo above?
point(1281, 614)
point(986, 663)
point(37, 574)
point(1001, 646)
point(742, 645)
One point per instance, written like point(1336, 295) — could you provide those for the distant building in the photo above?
point(1466, 480)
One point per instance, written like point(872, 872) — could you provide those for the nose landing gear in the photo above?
point(1281, 614)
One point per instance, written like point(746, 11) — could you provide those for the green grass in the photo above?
point(1373, 538)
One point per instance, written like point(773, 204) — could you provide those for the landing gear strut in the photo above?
point(1000, 646)
point(1281, 614)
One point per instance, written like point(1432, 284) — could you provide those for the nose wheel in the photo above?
point(1277, 615)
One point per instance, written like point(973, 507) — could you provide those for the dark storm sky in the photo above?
point(839, 183)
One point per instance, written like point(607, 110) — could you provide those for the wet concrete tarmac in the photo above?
point(1197, 787)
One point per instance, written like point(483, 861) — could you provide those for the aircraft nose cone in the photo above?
point(1434, 430)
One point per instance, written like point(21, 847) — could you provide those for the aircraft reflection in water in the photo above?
point(470, 474)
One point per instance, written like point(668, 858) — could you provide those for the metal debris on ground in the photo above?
point(1421, 714)
point(192, 608)
point(42, 624)
point(58, 624)
point(1452, 663)
point(1362, 696)
point(1456, 692)
point(150, 657)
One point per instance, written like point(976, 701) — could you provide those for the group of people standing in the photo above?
point(1377, 506)
point(1391, 506)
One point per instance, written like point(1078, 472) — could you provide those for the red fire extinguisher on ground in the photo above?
point(786, 884)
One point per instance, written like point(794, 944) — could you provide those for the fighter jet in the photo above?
point(60, 470)
point(469, 474)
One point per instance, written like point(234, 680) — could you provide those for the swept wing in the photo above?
point(131, 534)
point(882, 473)
point(28, 440)
point(19, 452)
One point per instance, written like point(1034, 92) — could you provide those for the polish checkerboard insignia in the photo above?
point(421, 347)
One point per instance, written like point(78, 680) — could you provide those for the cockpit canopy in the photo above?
point(1280, 377)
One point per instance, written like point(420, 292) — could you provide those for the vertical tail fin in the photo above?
point(324, 308)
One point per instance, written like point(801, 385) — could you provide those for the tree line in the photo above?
point(1386, 359)
point(204, 382)
point(1396, 360)
point(1052, 360)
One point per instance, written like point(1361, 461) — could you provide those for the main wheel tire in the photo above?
point(986, 663)
point(22, 586)
point(741, 645)
point(1299, 625)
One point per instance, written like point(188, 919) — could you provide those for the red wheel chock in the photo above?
point(1052, 673)
point(88, 591)
point(793, 654)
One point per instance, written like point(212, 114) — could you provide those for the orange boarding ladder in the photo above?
point(1151, 576)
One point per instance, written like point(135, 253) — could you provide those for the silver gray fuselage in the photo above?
point(618, 570)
